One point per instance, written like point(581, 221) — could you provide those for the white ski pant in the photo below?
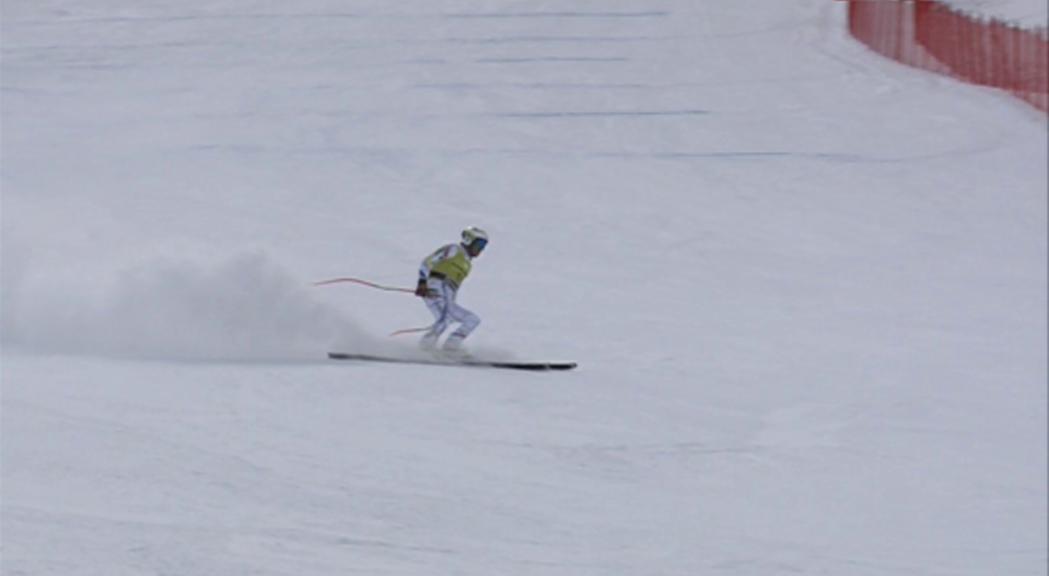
point(445, 312)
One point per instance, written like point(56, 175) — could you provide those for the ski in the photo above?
point(510, 365)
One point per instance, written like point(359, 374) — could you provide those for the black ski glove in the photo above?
point(422, 290)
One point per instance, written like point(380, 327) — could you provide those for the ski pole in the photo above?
point(409, 331)
point(377, 287)
point(363, 283)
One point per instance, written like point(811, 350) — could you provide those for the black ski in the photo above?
point(533, 366)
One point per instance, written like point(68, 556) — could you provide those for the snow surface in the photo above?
point(806, 287)
point(1032, 13)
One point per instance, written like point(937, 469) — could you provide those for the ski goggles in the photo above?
point(478, 244)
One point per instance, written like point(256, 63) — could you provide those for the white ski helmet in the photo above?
point(474, 236)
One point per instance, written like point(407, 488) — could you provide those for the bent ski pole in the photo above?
point(364, 283)
point(377, 287)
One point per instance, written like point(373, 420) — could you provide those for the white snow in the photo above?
point(806, 287)
point(1029, 13)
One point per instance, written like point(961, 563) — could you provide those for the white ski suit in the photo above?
point(444, 271)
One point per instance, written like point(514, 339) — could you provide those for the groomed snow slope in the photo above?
point(806, 288)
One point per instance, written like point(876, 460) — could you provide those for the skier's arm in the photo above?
point(421, 290)
point(429, 262)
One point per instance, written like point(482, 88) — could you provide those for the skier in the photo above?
point(440, 276)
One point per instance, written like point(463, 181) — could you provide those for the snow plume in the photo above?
point(246, 308)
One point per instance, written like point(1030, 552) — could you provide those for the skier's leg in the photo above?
point(439, 307)
point(468, 322)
